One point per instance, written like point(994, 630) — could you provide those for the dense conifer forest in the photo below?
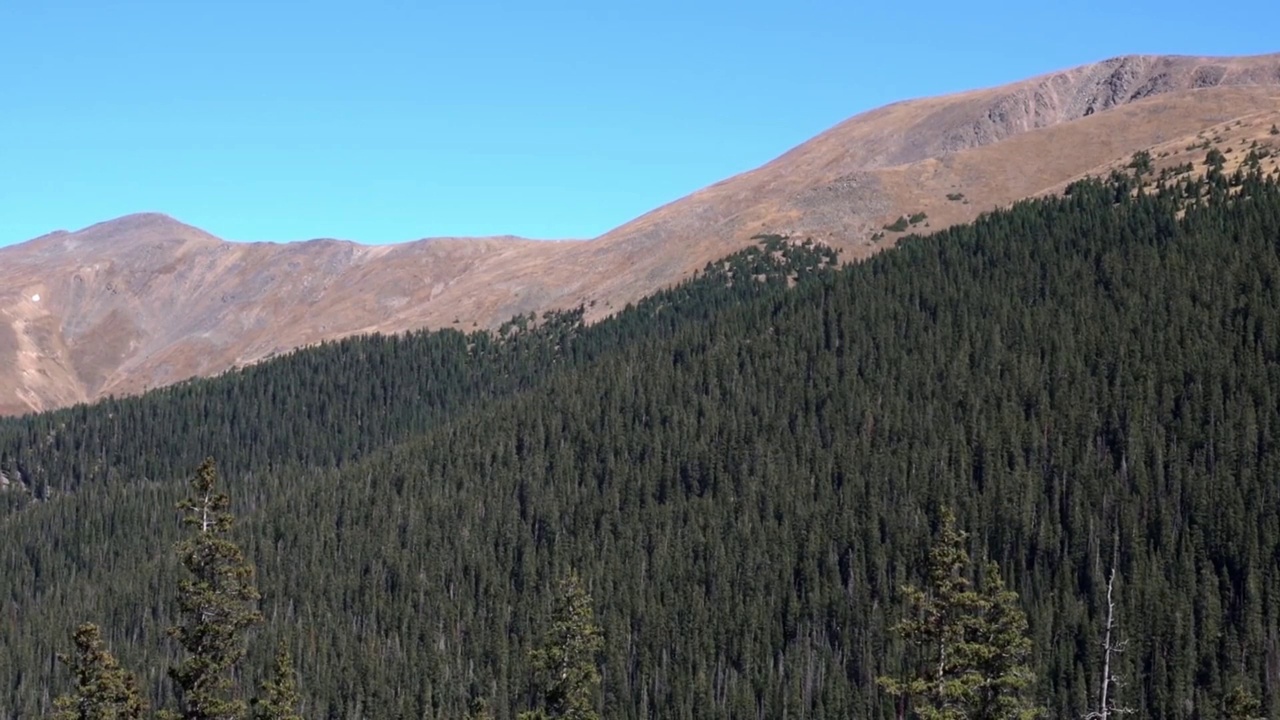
point(746, 473)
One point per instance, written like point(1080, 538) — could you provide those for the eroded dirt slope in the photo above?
point(144, 301)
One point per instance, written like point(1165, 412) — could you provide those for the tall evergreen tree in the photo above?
point(217, 603)
point(104, 691)
point(1000, 653)
point(279, 698)
point(565, 666)
point(971, 644)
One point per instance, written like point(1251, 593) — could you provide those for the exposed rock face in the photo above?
point(144, 301)
point(1081, 92)
point(889, 160)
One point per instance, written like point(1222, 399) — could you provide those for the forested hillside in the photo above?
point(326, 405)
point(743, 472)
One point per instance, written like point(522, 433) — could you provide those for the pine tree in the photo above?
point(217, 603)
point(565, 667)
point(1000, 651)
point(279, 698)
point(478, 709)
point(971, 644)
point(1240, 704)
point(104, 691)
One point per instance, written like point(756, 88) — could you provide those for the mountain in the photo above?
point(144, 300)
point(745, 470)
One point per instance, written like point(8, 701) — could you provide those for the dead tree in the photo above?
point(1111, 647)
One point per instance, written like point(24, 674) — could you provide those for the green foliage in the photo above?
point(279, 698)
point(217, 603)
point(1255, 157)
point(478, 710)
point(1176, 170)
point(917, 218)
point(733, 466)
point(565, 665)
point(1275, 130)
point(955, 196)
point(1140, 163)
point(104, 691)
point(1214, 160)
point(326, 406)
point(1240, 704)
point(899, 225)
point(970, 645)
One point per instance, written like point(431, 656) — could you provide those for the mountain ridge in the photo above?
point(146, 300)
point(1079, 377)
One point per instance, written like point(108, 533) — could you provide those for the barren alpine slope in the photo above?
point(144, 301)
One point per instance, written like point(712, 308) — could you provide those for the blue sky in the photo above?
point(388, 121)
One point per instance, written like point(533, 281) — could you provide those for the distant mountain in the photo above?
point(745, 470)
point(144, 300)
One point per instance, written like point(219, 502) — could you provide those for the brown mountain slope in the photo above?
point(144, 300)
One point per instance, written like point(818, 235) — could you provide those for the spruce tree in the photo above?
point(1240, 704)
point(971, 644)
point(217, 604)
point(1000, 652)
point(104, 691)
point(279, 698)
point(565, 666)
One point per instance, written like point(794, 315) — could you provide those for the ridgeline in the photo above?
point(745, 471)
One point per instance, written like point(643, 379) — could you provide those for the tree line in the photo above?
point(747, 477)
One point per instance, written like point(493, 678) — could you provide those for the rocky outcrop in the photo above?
point(1078, 93)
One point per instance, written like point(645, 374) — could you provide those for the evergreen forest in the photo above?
point(748, 478)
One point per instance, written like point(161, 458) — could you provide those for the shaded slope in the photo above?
point(327, 405)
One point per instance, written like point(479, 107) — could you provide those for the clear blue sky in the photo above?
point(386, 121)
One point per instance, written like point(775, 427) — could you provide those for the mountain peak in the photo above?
point(193, 305)
point(145, 226)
